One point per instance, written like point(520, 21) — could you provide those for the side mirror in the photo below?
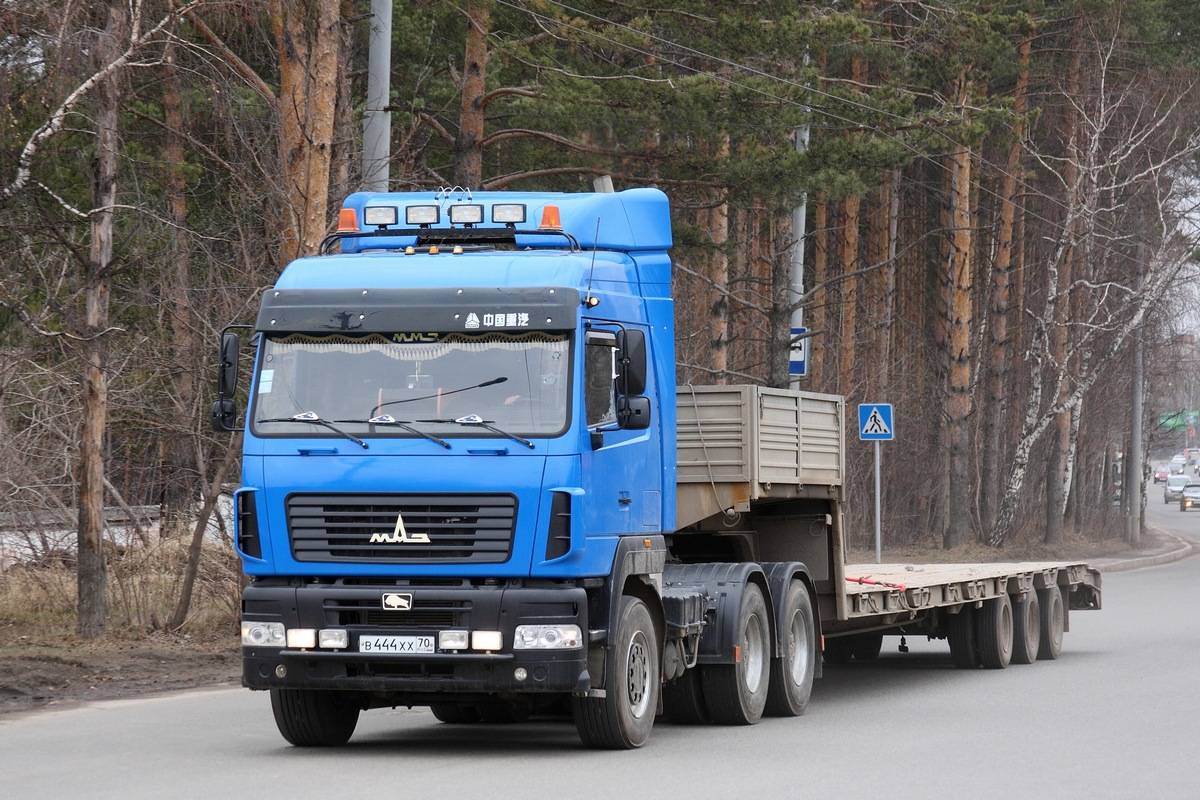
point(632, 346)
point(634, 413)
point(224, 410)
point(227, 364)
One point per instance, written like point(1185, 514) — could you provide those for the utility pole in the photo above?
point(798, 354)
point(377, 119)
point(1135, 481)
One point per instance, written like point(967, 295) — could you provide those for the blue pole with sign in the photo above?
point(876, 424)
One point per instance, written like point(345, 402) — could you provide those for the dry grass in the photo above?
point(143, 587)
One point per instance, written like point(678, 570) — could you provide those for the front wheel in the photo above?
point(792, 673)
point(623, 718)
point(311, 718)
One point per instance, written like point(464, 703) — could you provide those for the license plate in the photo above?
point(400, 645)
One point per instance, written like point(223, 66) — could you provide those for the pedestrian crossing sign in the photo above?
point(875, 422)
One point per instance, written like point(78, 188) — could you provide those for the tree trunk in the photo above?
point(890, 311)
point(1056, 463)
point(1000, 351)
point(287, 23)
point(179, 480)
point(849, 289)
point(818, 308)
point(468, 145)
point(196, 548)
point(717, 223)
point(92, 577)
point(322, 112)
point(958, 404)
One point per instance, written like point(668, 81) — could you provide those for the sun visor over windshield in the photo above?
point(442, 310)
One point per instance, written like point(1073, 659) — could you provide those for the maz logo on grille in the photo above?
point(400, 535)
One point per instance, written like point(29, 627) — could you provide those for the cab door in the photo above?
point(621, 457)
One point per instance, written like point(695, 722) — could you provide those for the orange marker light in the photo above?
point(347, 221)
point(550, 219)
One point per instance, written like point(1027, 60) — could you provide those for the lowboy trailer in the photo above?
point(471, 482)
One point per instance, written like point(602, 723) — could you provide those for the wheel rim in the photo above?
point(752, 653)
point(798, 654)
point(637, 671)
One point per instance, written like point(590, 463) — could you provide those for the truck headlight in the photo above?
point(333, 638)
point(547, 637)
point(453, 640)
point(263, 634)
point(302, 638)
point(486, 640)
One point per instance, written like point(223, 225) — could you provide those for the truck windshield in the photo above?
point(516, 381)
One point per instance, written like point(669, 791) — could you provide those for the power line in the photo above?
point(1033, 191)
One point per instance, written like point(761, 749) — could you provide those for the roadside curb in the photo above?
point(1183, 549)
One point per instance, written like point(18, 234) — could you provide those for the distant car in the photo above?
point(1160, 475)
point(1173, 491)
point(1191, 497)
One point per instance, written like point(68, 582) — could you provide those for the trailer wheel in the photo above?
point(866, 646)
point(622, 719)
point(313, 718)
point(960, 632)
point(837, 651)
point(455, 713)
point(792, 673)
point(1027, 629)
point(1050, 644)
point(736, 694)
point(683, 699)
point(995, 634)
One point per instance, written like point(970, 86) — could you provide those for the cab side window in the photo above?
point(599, 371)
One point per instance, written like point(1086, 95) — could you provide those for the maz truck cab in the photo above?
point(459, 462)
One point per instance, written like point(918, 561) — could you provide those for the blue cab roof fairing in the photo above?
point(389, 269)
point(631, 220)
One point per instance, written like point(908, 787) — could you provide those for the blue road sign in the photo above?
point(875, 422)
point(798, 356)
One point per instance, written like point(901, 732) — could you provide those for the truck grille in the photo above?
point(423, 614)
point(475, 529)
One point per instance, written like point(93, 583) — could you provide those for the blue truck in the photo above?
point(471, 482)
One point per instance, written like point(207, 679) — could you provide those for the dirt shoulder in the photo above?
point(37, 673)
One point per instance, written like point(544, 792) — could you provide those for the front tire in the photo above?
point(736, 694)
point(312, 718)
point(792, 673)
point(624, 717)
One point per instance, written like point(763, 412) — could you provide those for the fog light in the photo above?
point(486, 640)
point(262, 634)
point(333, 638)
point(453, 640)
point(547, 637)
point(520, 674)
point(302, 638)
point(281, 671)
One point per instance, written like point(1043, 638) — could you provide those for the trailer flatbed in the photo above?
point(893, 593)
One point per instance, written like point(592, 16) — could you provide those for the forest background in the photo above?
point(999, 239)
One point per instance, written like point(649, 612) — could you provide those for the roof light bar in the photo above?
point(466, 214)
point(381, 216)
point(508, 213)
point(421, 215)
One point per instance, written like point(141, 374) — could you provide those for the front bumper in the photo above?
point(448, 605)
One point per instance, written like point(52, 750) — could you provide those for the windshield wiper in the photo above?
point(476, 421)
point(312, 418)
point(492, 382)
point(392, 422)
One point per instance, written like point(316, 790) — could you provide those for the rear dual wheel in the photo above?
point(1053, 622)
point(736, 694)
point(1027, 628)
point(793, 672)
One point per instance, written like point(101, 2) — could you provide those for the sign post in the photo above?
point(875, 424)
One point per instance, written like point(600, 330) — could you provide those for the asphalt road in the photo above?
point(1118, 716)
